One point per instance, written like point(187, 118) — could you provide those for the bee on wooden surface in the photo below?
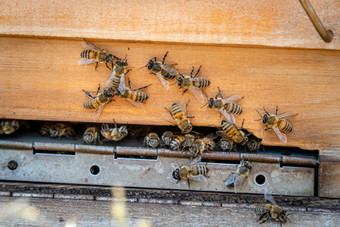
point(9, 126)
point(114, 134)
point(97, 102)
point(181, 118)
point(57, 130)
point(278, 123)
point(177, 142)
point(92, 135)
point(115, 84)
point(226, 106)
point(151, 140)
point(235, 134)
point(237, 177)
point(163, 71)
point(167, 137)
point(93, 54)
point(135, 96)
point(254, 143)
point(271, 211)
point(191, 172)
point(204, 144)
point(193, 84)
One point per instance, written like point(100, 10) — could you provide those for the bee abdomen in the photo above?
point(233, 108)
point(45, 130)
point(139, 96)
point(176, 111)
point(285, 126)
point(227, 127)
point(177, 142)
point(199, 170)
point(201, 83)
point(91, 104)
point(259, 209)
point(88, 54)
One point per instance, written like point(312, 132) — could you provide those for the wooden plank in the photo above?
point(268, 23)
point(329, 177)
point(57, 212)
point(40, 80)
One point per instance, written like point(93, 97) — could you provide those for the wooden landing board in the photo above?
point(58, 212)
point(262, 22)
point(40, 80)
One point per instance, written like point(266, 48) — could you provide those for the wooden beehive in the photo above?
point(268, 52)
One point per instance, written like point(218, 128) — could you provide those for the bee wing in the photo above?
point(169, 69)
point(211, 136)
point(238, 181)
point(85, 61)
point(99, 111)
point(163, 81)
point(90, 46)
point(197, 93)
point(233, 98)
point(136, 104)
point(280, 135)
point(222, 134)
point(199, 178)
point(269, 197)
point(107, 83)
point(286, 115)
point(231, 179)
point(229, 117)
point(121, 87)
point(195, 160)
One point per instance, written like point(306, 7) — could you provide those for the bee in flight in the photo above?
point(191, 172)
point(8, 126)
point(114, 134)
point(115, 84)
point(92, 135)
point(237, 177)
point(151, 140)
point(271, 211)
point(193, 84)
point(278, 123)
point(167, 138)
point(233, 133)
point(226, 106)
point(163, 71)
point(181, 118)
point(97, 102)
point(92, 54)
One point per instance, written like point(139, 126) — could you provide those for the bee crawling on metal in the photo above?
point(237, 177)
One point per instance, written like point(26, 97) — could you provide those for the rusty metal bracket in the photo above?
point(326, 35)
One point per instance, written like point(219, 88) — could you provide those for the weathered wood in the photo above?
point(329, 183)
point(40, 80)
point(57, 212)
point(269, 23)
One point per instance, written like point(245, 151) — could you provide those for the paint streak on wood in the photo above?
point(268, 23)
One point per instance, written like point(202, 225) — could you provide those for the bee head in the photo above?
point(120, 66)
point(245, 140)
point(283, 217)
point(247, 164)
point(150, 64)
point(179, 81)
point(175, 174)
point(102, 98)
point(188, 129)
point(108, 93)
point(123, 130)
point(109, 58)
point(265, 118)
point(211, 102)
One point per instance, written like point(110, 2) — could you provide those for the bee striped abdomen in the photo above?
point(177, 142)
point(176, 111)
point(284, 125)
point(233, 108)
point(201, 83)
point(260, 209)
point(88, 54)
point(228, 128)
point(91, 104)
point(167, 75)
point(198, 170)
point(138, 96)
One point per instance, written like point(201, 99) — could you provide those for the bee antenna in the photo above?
point(143, 66)
point(204, 105)
point(258, 112)
point(173, 83)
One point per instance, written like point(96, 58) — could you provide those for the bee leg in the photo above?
point(277, 109)
point(264, 216)
point(88, 94)
point(141, 88)
point(95, 68)
point(98, 89)
point(267, 129)
point(192, 71)
point(242, 125)
point(164, 57)
point(108, 66)
point(199, 69)
point(219, 93)
point(188, 183)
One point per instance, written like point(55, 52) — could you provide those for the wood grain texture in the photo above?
point(329, 174)
point(58, 212)
point(263, 22)
point(40, 80)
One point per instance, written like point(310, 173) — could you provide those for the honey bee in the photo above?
point(91, 135)
point(193, 84)
point(182, 120)
point(163, 71)
point(167, 138)
point(115, 84)
point(254, 143)
point(235, 134)
point(201, 145)
point(114, 134)
point(191, 172)
point(189, 140)
point(135, 96)
point(237, 177)
point(93, 54)
point(97, 102)
point(8, 126)
point(226, 106)
point(57, 130)
point(151, 140)
point(226, 143)
point(278, 123)
point(271, 211)
point(177, 142)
